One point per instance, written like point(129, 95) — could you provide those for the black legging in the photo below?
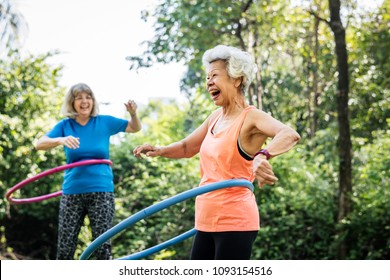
point(228, 245)
point(99, 207)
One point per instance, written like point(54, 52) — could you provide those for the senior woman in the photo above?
point(87, 190)
point(230, 142)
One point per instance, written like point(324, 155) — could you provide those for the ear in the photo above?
point(238, 82)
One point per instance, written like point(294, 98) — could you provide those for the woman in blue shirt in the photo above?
point(86, 190)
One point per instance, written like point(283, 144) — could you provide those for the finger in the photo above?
point(264, 165)
point(264, 173)
point(268, 181)
point(137, 155)
point(259, 170)
point(75, 142)
point(265, 178)
point(151, 154)
point(136, 152)
point(70, 145)
point(143, 149)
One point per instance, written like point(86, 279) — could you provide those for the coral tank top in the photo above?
point(229, 209)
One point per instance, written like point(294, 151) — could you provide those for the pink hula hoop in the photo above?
point(47, 173)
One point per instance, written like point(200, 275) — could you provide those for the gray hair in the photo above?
point(68, 108)
point(238, 63)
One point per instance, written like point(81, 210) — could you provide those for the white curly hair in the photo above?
point(239, 63)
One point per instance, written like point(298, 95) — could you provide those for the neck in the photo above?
point(232, 110)
point(82, 119)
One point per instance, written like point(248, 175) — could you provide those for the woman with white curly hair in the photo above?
point(230, 142)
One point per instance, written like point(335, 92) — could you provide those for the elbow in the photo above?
point(188, 150)
point(296, 136)
point(132, 128)
point(38, 146)
point(292, 135)
point(138, 129)
point(41, 143)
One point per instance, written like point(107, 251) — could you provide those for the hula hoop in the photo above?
point(47, 173)
point(156, 208)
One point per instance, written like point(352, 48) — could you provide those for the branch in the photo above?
point(318, 17)
point(239, 28)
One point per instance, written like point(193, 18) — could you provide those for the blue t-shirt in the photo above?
point(94, 144)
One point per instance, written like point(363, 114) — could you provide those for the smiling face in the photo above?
point(83, 104)
point(222, 88)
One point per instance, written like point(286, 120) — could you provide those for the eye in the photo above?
point(212, 76)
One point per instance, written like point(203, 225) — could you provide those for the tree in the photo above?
point(29, 98)
point(344, 134)
point(345, 144)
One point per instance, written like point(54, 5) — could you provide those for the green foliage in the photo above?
point(141, 183)
point(368, 227)
point(370, 71)
point(29, 98)
point(298, 213)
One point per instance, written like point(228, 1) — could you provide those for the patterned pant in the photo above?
point(100, 209)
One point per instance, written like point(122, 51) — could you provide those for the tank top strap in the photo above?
point(214, 120)
point(242, 116)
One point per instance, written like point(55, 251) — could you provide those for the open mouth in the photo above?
point(215, 93)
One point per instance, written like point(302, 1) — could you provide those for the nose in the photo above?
point(209, 82)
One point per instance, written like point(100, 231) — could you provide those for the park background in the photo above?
point(323, 70)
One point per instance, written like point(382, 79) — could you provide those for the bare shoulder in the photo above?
point(255, 116)
point(258, 121)
point(213, 115)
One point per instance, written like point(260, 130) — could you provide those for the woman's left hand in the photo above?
point(131, 107)
point(262, 170)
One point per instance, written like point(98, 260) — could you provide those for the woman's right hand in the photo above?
point(147, 149)
point(70, 142)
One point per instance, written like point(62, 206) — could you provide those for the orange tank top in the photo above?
point(229, 209)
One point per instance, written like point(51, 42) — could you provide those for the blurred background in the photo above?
point(323, 69)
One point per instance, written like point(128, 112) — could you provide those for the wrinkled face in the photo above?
point(83, 104)
point(220, 85)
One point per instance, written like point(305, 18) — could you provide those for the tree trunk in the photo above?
point(345, 145)
point(315, 88)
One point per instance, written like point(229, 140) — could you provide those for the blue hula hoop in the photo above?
point(156, 208)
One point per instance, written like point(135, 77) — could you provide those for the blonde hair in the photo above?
point(68, 108)
point(239, 64)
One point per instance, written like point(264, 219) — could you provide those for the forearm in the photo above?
point(134, 123)
point(47, 143)
point(283, 141)
point(178, 150)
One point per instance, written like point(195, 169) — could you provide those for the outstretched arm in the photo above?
point(185, 148)
point(134, 123)
point(47, 143)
